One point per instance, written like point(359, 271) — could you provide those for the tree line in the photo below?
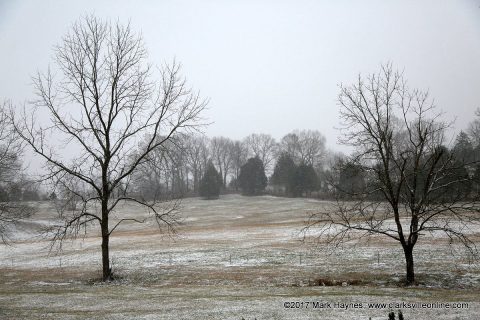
point(297, 165)
point(350, 179)
point(178, 168)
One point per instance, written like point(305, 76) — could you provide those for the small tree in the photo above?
point(210, 183)
point(52, 196)
point(252, 177)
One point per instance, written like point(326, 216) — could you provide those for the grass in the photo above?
point(235, 257)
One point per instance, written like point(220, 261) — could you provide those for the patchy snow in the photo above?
point(234, 257)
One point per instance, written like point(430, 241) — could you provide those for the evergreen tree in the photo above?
point(210, 183)
point(3, 194)
point(351, 179)
point(460, 183)
point(252, 178)
point(476, 180)
point(305, 180)
point(463, 150)
point(284, 172)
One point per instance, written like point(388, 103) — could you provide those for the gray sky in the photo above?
point(270, 66)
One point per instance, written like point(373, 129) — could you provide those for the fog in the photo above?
point(270, 66)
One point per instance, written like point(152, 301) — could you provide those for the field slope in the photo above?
point(233, 258)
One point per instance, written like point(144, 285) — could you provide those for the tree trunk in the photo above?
point(195, 181)
point(107, 272)
point(410, 279)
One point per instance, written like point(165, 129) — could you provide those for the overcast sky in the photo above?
point(270, 66)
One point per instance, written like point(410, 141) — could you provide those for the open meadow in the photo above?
point(233, 258)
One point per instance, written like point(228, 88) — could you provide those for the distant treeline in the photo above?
point(23, 189)
point(299, 165)
point(178, 169)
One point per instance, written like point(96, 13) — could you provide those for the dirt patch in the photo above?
point(326, 282)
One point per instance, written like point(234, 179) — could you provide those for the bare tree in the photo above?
point(312, 147)
point(239, 154)
point(414, 189)
point(305, 146)
point(178, 168)
point(104, 104)
point(262, 146)
point(474, 129)
point(11, 150)
point(220, 148)
point(155, 177)
point(290, 144)
point(196, 157)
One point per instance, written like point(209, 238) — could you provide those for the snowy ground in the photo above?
point(237, 257)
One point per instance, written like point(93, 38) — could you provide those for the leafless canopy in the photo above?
point(104, 103)
point(263, 146)
point(305, 146)
point(11, 149)
point(221, 151)
point(413, 182)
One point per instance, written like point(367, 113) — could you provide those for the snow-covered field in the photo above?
point(233, 258)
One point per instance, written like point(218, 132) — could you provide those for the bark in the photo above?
point(107, 271)
point(410, 279)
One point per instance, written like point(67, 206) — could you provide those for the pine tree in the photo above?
point(304, 180)
point(252, 178)
point(284, 173)
point(210, 183)
point(351, 179)
point(463, 149)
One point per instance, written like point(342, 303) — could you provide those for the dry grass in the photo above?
point(235, 257)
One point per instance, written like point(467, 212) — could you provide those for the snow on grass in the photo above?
point(235, 257)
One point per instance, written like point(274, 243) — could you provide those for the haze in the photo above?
point(270, 66)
